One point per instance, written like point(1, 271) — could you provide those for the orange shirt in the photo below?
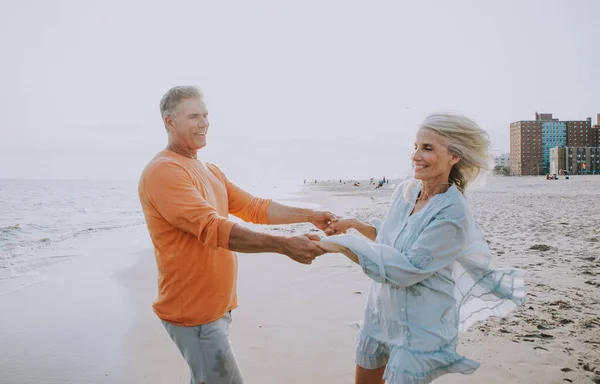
point(186, 205)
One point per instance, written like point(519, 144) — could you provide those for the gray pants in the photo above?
point(208, 351)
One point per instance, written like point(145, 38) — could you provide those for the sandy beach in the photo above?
point(89, 320)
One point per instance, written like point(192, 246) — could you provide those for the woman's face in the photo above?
point(432, 161)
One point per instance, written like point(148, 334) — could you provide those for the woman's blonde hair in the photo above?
point(465, 139)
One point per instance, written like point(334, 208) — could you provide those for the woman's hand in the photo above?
point(340, 227)
point(335, 248)
point(331, 247)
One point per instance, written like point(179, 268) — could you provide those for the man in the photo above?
point(186, 203)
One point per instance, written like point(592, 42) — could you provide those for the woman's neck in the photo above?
point(430, 189)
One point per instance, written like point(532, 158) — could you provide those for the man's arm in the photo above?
point(262, 211)
point(176, 199)
point(299, 248)
point(284, 214)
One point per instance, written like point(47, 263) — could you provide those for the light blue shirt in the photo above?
point(431, 278)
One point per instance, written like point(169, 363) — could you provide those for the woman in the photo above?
point(429, 263)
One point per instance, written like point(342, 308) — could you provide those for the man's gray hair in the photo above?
point(170, 100)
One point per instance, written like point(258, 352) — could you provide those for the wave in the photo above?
point(108, 228)
point(11, 228)
point(17, 244)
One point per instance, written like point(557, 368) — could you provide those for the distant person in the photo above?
point(186, 203)
point(429, 262)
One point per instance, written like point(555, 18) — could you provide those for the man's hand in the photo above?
point(323, 219)
point(303, 249)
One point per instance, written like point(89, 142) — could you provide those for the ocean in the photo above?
point(44, 222)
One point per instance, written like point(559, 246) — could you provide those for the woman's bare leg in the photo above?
point(369, 376)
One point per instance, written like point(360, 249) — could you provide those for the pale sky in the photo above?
point(306, 88)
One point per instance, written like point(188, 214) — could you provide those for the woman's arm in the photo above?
point(440, 243)
point(366, 230)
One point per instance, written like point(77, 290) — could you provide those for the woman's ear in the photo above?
point(455, 159)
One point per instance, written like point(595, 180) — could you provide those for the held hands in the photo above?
point(335, 248)
point(323, 219)
point(305, 248)
point(330, 223)
point(330, 247)
point(340, 226)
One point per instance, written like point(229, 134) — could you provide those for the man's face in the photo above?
point(189, 126)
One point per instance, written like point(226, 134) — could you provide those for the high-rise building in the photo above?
point(531, 141)
point(526, 148)
point(575, 160)
point(554, 134)
point(580, 134)
point(596, 131)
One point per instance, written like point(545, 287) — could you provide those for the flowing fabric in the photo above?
point(432, 277)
